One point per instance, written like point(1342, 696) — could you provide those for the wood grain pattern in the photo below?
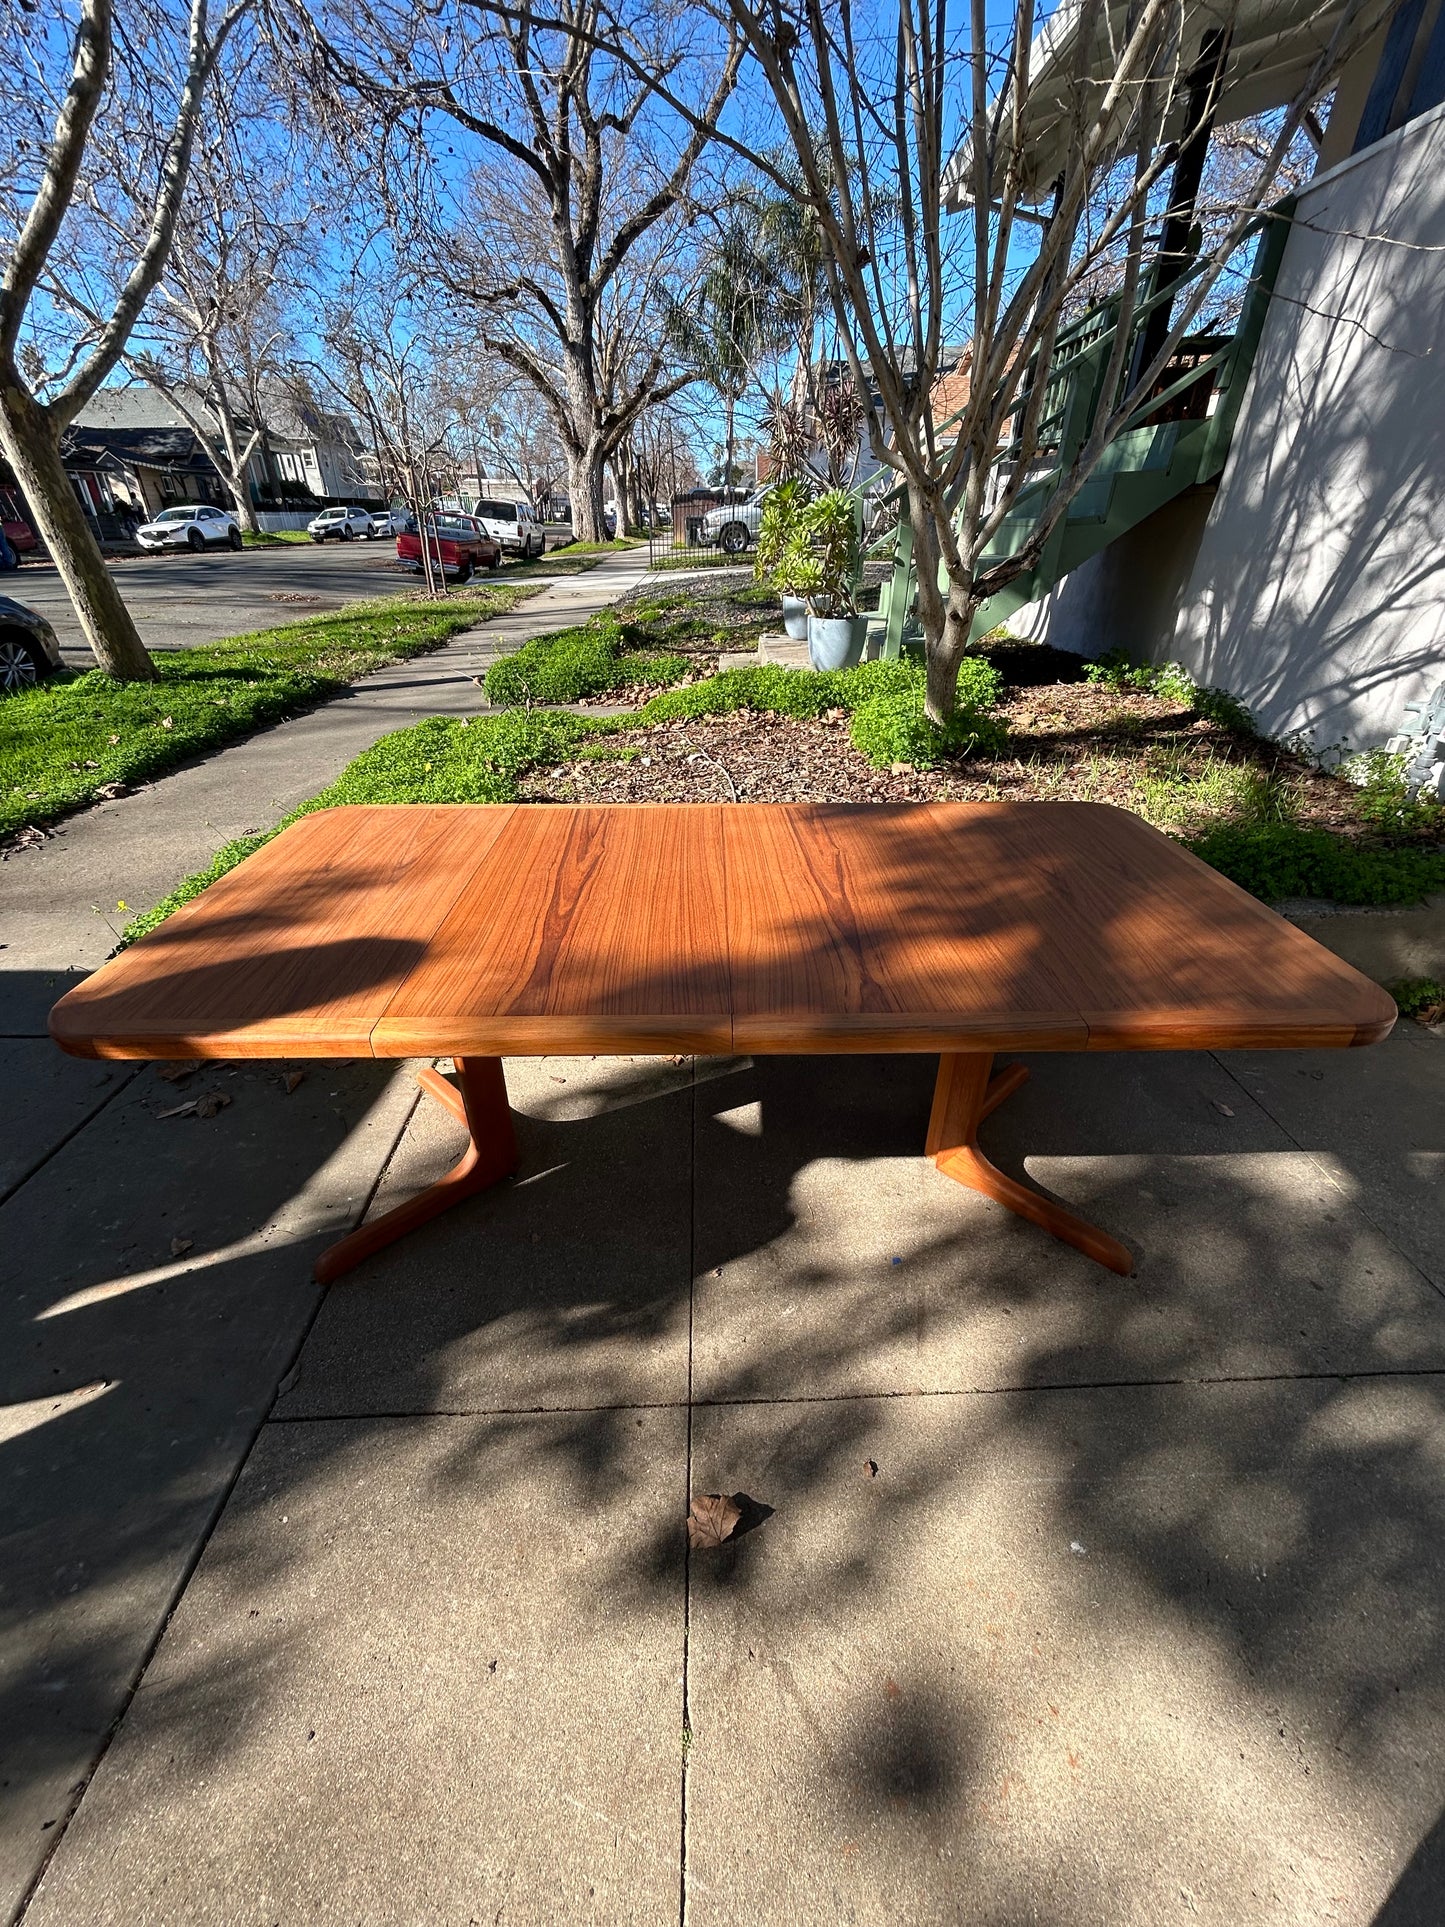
point(491, 930)
point(605, 928)
point(296, 951)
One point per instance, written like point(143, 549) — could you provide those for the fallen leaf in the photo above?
point(166, 722)
point(1223, 1107)
point(115, 739)
point(711, 1518)
point(176, 1073)
point(209, 1102)
point(180, 1110)
point(290, 1079)
point(179, 1246)
point(870, 1466)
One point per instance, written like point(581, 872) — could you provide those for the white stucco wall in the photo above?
point(1318, 591)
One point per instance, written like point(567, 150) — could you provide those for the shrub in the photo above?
point(1384, 799)
point(820, 556)
point(1275, 860)
point(782, 507)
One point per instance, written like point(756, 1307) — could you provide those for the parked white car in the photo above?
point(511, 523)
point(344, 524)
point(388, 522)
point(734, 527)
point(196, 525)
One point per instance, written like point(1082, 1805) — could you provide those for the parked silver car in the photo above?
point(29, 651)
point(734, 527)
point(191, 525)
point(388, 522)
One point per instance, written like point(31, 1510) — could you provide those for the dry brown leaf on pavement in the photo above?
point(712, 1517)
point(187, 1109)
point(180, 1246)
point(209, 1102)
point(175, 1073)
point(290, 1079)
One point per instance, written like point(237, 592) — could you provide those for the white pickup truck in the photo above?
point(512, 523)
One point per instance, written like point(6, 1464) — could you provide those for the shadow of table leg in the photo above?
point(477, 1099)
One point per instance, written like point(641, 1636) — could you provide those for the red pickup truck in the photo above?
point(459, 545)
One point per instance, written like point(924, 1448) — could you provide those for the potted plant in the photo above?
point(782, 507)
point(823, 562)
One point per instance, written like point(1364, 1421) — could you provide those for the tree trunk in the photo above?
point(946, 613)
point(944, 657)
point(584, 486)
point(624, 469)
point(33, 453)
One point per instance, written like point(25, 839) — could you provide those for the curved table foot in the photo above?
point(966, 1094)
point(478, 1099)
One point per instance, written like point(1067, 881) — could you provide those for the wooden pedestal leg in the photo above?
point(477, 1099)
point(964, 1095)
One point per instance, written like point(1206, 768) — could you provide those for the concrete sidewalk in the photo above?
point(1067, 1598)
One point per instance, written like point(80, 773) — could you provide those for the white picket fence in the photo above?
point(274, 521)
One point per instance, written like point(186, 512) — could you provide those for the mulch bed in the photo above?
point(1068, 741)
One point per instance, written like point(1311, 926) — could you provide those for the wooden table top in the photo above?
point(547, 928)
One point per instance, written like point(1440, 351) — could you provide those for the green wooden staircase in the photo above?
point(1182, 437)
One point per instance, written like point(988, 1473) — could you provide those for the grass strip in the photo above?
point(65, 742)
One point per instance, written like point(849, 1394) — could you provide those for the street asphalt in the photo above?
point(180, 600)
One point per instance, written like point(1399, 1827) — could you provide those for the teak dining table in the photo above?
point(481, 931)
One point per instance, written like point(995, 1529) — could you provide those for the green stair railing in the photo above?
point(1178, 435)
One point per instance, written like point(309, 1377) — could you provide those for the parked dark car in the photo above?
point(29, 651)
point(459, 544)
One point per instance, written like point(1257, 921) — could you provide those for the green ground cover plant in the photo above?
point(67, 741)
point(1278, 860)
point(884, 701)
point(1416, 996)
point(597, 656)
point(1173, 682)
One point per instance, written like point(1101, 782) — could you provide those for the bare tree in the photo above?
point(926, 148)
point(580, 190)
point(219, 333)
point(385, 362)
point(164, 80)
